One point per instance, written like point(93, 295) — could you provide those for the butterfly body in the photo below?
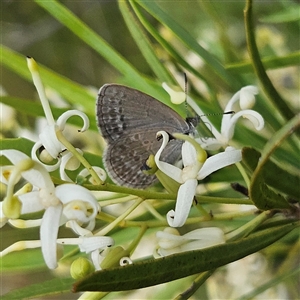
point(129, 120)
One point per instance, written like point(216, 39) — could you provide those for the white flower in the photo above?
point(170, 241)
point(62, 203)
point(246, 99)
point(195, 167)
point(48, 137)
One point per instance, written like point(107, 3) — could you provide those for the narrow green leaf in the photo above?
point(35, 109)
point(189, 41)
point(144, 43)
point(265, 198)
point(259, 69)
point(292, 59)
point(274, 281)
point(167, 46)
point(50, 287)
point(21, 144)
point(260, 194)
point(152, 272)
point(73, 92)
point(91, 38)
point(288, 14)
point(273, 174)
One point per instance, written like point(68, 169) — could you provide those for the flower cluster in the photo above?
point(68, 203)
point(196, 165)
point(77, 208)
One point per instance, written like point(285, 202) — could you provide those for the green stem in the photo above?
point(119, 219)
point(189, 221)
point(259, 69)
point(136, 241)
point(124, 190)
point(249, 227)
point(199, 280)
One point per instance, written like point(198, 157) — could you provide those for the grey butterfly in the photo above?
point(129, 120)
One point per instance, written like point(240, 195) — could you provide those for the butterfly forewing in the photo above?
point(129, 120)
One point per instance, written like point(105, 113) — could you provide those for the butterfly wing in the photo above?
point(129, 120)
point(124, 158)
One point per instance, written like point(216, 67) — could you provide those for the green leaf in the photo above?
point(264, 197)
point(266, 84)
point(35, 109)
point(274, 281)
point(273, 175)
point(144, 43)
point(288, 14)
point(268, 62)
point(21, 144)
point(189, 41)
point(152, 272)
point(91, 38)
point(260, 194)
point(166, 45)
point(51, 287)
point(73, 92)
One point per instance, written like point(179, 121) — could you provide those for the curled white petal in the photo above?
point(227, 129)
point(168, 169)
point(232, 101)
point(78, 229)
point(49, 168)
point(219, 161)
point(184, 201)
point(100, 172)
point(124, 261)
point(48, 234)
point(61, 121)
point(68, 162)
point(254, 117)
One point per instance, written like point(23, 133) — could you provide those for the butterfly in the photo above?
point(129, 120)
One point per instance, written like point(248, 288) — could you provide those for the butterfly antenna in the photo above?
point(185, 91)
